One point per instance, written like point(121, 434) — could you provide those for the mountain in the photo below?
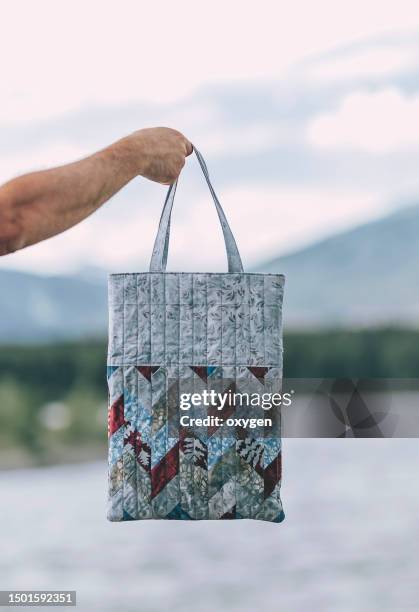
point(43, 308)
point(367, 276)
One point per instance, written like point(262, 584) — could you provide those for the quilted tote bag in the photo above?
point(183, 335)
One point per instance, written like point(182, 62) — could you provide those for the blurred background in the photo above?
point(308, 117)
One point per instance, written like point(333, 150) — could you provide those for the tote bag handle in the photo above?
point(161, 245)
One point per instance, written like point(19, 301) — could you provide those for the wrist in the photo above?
point(129, 155)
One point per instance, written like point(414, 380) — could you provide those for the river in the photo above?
point(350, 540)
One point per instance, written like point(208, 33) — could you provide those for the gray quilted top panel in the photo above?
point(195, 319)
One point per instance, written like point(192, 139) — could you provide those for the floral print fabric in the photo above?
point(168, 328)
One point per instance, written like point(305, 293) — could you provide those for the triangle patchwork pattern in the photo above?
point(147, 371)
point(193, 332)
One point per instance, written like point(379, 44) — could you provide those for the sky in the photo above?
point(307, 114)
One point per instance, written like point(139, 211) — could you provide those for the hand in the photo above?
point(161, 153)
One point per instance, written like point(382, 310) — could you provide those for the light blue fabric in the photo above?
point(161, 245)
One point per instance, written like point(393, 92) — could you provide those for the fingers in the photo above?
point(163, 153)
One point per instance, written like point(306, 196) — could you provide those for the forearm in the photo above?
point(39, 205)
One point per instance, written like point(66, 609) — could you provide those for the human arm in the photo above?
point(39, 205)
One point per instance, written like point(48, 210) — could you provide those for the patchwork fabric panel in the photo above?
point(169, 332)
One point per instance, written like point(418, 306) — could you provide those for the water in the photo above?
point(349, 540)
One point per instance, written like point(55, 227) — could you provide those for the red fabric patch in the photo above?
point(231, 514)
point(258, 371)
point(201, 371)
point(147, 371)
point(272, 475)
point(116, 415)
point(163, 472)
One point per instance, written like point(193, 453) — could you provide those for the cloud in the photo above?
point(60, 57)
point(380, 122)
point(255, 138)
point(40, 159)
point(374, 61)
